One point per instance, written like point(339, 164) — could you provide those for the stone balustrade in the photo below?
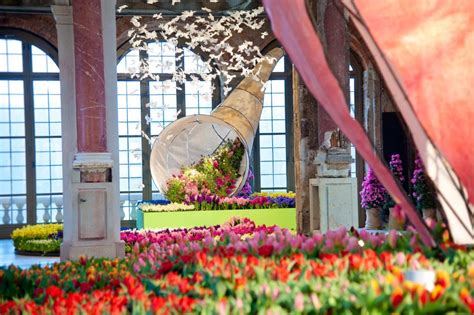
point(50, 208)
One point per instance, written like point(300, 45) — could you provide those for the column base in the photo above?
point(111, 250)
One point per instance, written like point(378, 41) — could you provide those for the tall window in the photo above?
point(356, 107)
point(30, 132)
point(147, 106)
point(273, 152)
point(352, 107)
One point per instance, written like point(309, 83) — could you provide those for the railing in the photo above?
point(13, 209)
point(128, 204)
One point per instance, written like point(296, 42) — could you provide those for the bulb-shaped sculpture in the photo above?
point(189, 139)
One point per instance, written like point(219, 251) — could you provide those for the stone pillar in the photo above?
point(306, 144)
point(311, 121)
point(88, 88)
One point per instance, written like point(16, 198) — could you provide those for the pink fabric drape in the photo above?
point(294, 29)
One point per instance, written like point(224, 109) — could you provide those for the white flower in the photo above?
point(148, 207)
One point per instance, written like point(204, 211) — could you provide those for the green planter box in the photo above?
point(285, 218)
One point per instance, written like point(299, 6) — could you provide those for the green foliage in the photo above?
point(34, 232)
point(41, 246)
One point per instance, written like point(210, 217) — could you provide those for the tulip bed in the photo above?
point(241, 268)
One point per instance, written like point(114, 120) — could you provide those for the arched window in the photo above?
point(273, 150)
point(30, 131)
point(147, 105)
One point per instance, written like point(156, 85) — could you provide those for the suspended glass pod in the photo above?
point(189, 139)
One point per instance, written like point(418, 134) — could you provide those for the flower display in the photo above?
point(22, 237)
point(396, 166)
point(373, 193)
point(41, 246)
point(246, 191)
point(423, 195)
point(150, 207)
point(275, 194)
point(209, 202)
point(242, 268)
point(216, 174)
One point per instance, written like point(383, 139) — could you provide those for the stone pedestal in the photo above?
point(333, 203)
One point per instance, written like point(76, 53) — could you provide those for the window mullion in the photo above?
point(29, 135)
point(256, 162)
point(145, 127)
point(180, 87)
point(290, 160)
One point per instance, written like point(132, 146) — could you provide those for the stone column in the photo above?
point(310, 120)
point(88, 81)
point(306, 144)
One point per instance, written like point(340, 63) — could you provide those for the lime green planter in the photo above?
point(283, 217)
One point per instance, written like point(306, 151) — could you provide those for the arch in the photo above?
point(33, 39)
point(30, 131)
point(157, 103)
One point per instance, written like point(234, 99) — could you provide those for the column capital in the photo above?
point(62, 14)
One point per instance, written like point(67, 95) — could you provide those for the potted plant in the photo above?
point(423, 195)
point(396, 218)
point(372, 200)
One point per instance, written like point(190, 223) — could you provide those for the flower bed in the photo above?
point(283, 217)
point(41, 238)
point(242, 268)
point(210, 210)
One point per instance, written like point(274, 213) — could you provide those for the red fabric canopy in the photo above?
point(424, 53)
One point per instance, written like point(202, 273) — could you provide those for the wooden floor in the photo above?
point(8, 257)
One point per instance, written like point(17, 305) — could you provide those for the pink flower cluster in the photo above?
point(423, 194)
point(396, 166)
point(373, 193)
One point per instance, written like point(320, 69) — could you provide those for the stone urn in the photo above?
point(373, 219)
point(396, 221)
point(429, 214)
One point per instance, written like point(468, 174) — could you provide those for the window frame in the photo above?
point(28, 77)
point(287, 77)
point(147, 191)
point(357, 73)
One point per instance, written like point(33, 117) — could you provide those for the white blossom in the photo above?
point(120, 9)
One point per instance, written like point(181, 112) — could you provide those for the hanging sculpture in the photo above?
point(424, 53)
point(190, 139)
